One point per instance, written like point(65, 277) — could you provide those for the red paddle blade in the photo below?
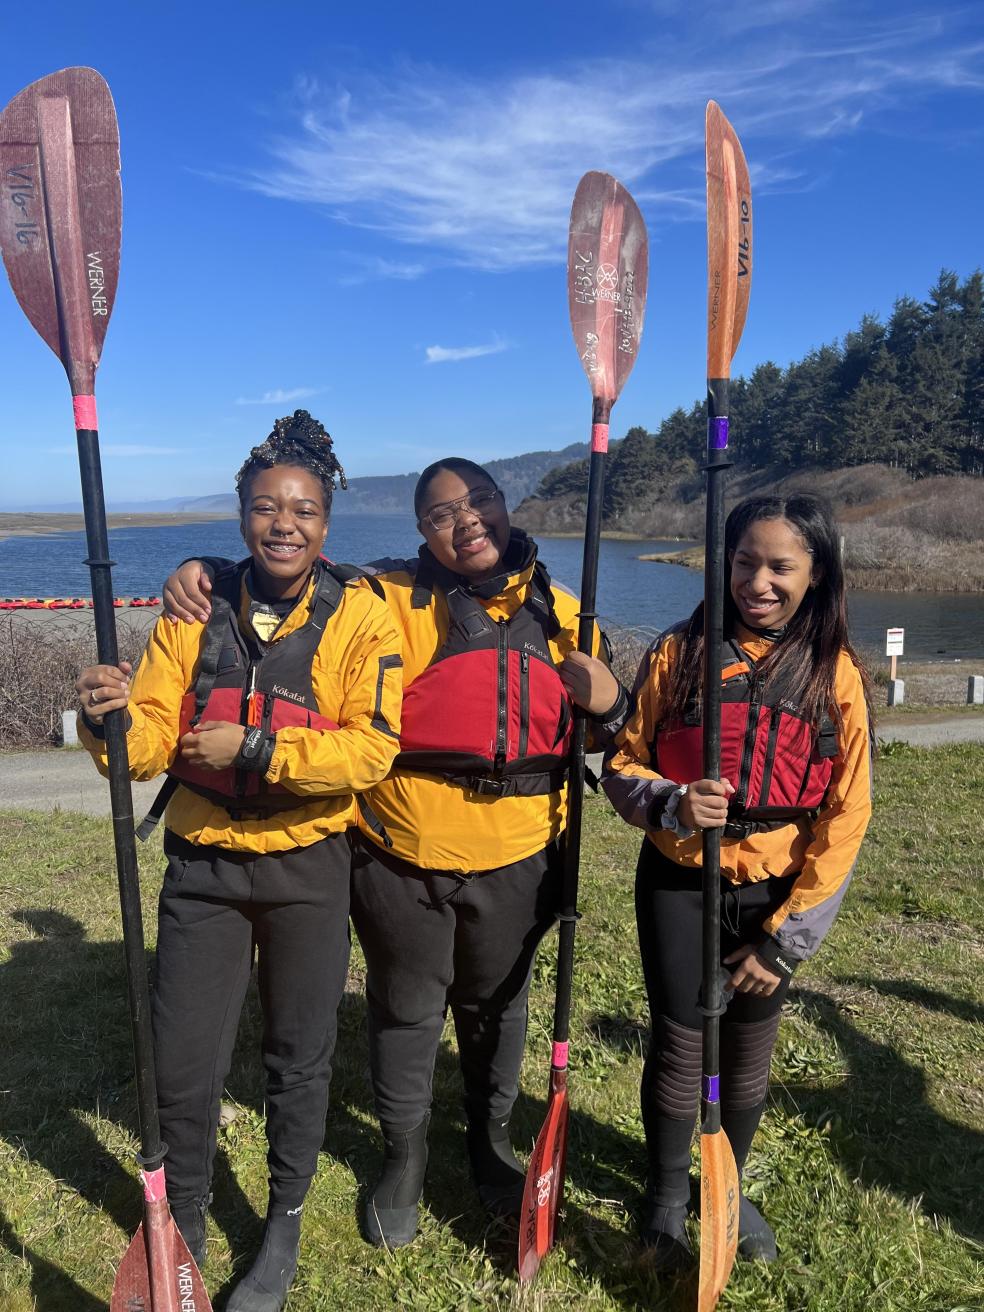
point(722, 243)
point(607, 276)
point(158, 1274)
point(61, 213)
point(718, 1218)
point(544, 1187)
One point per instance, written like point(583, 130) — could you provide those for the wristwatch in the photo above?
point(256, 750)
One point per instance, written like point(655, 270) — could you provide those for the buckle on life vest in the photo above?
point(739, 829)
point(483, 784)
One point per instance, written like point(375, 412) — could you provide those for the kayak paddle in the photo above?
point(607, 271)
point(60, 227)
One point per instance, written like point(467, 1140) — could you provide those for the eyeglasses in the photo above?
point(443, 516)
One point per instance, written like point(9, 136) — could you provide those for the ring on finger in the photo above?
point(93, 699)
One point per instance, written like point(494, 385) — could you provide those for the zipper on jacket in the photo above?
point(502, 718)
point(249, 691)
point(770, 756)
point(751, 732)
point(524, 702)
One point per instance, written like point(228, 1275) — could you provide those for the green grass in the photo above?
point(869, 1162)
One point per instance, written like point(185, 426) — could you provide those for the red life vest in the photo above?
point(779, 763)
point(244, 681)
point(490, 712)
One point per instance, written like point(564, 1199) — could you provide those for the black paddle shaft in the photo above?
point(101, 573)
point(714, 583)
point(575, 787)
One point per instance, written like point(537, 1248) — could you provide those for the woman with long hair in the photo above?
point(794, 799)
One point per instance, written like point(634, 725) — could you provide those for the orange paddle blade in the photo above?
point(158, 1274)
point(718, 1218)
point(544, 1187)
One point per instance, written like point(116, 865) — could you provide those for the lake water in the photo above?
point(631, 592)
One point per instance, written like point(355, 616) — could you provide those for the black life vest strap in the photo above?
point(226, 591)
point(470, 615)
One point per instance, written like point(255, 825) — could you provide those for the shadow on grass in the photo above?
point(63, 1015)
point(883, 1128)
point(51, 1289)
point(603, 1164)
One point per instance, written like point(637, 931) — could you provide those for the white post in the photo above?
point(975, 690)
point(70, 736)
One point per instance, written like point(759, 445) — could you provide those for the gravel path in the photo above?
point(67, 780)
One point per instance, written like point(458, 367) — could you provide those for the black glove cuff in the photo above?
point(616, 715)
point(775, 956)
point(256, 752)
point(94, 727)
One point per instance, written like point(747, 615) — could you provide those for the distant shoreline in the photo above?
point(34, 524)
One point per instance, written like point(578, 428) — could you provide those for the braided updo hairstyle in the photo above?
point(296, 439)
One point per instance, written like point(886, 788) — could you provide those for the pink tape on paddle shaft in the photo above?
point(153, 1183)
point(558, 1059)
point(599, 437)
point(85, 411)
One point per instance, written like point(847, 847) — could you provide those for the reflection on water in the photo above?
point(641, 594)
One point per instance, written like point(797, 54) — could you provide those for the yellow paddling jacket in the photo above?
point(356, 683)
point(435, 822)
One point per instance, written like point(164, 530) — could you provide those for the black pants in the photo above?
point(216, 908)
point(434, 940)
point(668, 914)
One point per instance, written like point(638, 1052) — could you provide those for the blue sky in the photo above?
point(362, 209)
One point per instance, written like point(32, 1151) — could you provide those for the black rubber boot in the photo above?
point(189, 1217)
point(664, 1237)
point(265, 1287)
point(390, 1212)
point(756, 1242)
point(498, 1175)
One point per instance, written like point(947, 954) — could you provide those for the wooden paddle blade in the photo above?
point(718, 1218)
point(607, 276)
point(743, 186)
point(722, 242)
point(163, 1279)
point(544, 1187)
point(61, 213)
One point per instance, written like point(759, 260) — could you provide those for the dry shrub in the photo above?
point(950, 509)
point(38, 669)
point(628, 646)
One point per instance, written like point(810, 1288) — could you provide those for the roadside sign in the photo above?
point(893, 642)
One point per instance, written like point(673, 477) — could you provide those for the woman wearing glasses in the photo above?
point(456, 870)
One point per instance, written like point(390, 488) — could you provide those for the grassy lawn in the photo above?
point(869, 1162)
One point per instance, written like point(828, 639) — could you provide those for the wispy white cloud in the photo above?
point(446, 354)
point(481, 172)
point(124, 450)
point(279, 396)
point(362, 268)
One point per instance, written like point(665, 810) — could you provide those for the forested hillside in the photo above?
point(907, 394)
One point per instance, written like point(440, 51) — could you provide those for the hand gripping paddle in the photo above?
point(729, 277)
point(60, 221)
point(607, 271)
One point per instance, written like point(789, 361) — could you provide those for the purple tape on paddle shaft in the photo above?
point(717, 435)
point(712, 1083)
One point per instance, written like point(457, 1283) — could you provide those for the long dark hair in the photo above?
point(299, 440)
point(814, 637)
